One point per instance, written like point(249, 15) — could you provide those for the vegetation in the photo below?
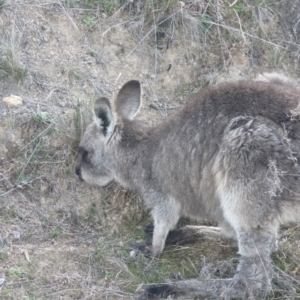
point(10, 64)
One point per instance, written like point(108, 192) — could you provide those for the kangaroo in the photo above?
point(229, 154)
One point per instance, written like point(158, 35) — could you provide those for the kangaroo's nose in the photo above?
point(78, 171)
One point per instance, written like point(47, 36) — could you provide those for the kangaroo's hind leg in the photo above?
point(249, 188)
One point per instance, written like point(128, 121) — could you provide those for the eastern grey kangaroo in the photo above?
point(230, 154)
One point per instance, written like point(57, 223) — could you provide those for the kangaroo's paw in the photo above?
point(189, 289)
point(143, 248)
point(163, 291)
point(252, 280)
point(221, 269)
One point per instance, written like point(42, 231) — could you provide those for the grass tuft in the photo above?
point(10, 65)
point(74, 74)
point(89, 21)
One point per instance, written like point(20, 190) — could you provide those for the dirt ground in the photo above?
point(61, 239)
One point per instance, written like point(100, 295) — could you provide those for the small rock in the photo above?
point(26, 255)
point(16, 235)
point(132, 253)
point(2, 281)
point(13, 100)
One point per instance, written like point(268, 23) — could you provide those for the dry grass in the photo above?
point(60, 239)
point(10, 63)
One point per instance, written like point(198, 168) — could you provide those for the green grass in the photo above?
point(56, 232)
point(3, 256)
point(89, 21)
point(15, 273)
point(93, 53)
point(276, 56)
point(242, 9)
point(107, 6)
point(70, 3)
point(42, 118)
point(5, 293)
point(91, 3)
point(75, 73)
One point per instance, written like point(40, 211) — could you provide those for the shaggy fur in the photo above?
point(230, 154)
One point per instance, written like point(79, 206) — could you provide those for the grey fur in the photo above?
point(230, 154)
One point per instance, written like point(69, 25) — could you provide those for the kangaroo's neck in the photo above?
point(134, 153)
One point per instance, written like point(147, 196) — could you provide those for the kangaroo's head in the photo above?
point(99, 143)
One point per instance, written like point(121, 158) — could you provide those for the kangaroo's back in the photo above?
point(207, 114)
point(274, 101)
point(186, 145)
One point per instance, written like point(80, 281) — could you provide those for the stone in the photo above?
point(13, 100)
point(16, 235)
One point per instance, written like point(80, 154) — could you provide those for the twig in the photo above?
point(126, 3)
point(90, 27)
point(29, 159)
point(120, 74)
point(150, 31)
point(153, 106)
point(249, 34)
point(240, 26)
point(233, 3)
point(67, 15)
point(37, 136)
point(155, 38)
point(107, 30)
point(18, 186)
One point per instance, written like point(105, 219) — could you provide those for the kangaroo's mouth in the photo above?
point(78, 173)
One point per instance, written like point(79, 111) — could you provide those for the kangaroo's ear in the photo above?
point(103, 115)
point(128, 101)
